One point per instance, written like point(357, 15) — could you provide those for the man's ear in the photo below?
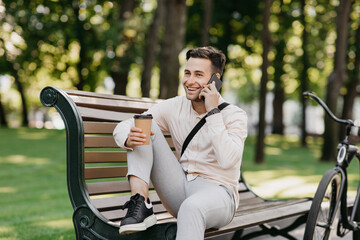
point(218, 75)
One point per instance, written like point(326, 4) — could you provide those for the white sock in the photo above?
point(148, 205)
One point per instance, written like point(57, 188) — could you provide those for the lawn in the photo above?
point(34, 202)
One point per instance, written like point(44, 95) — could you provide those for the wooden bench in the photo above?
point(96, 170)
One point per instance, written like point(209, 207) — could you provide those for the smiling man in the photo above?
point(201, 188)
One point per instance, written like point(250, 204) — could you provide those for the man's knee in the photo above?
point(192, 208)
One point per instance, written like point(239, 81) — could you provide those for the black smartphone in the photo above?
point(218, 83)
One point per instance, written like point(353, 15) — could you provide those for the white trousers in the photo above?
point(198, 205)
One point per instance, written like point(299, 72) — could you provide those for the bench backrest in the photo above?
point(96, 165)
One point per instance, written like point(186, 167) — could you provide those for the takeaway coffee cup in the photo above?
point(143, 121)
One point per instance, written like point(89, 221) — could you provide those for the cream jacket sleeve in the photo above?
point(228, 137)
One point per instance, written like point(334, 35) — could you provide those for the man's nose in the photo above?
point(191, 79)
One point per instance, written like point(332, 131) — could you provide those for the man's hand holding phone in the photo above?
point(211, 96)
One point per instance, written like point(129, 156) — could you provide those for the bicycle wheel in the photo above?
point(321, 219)
point(356, 234)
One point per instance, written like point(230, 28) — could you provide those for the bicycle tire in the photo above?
point(356, 234)
point(323, 206)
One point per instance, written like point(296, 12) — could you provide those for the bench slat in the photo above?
point(254, 218)
point(103, 204)
point(100, 142)
point(105, 156)
point(99, 188)
point(103, 115)
point(246, 195)
point(108, 142)
point(135, 100)
point(91, 127)
point(105, 172)
point(118, 214)
point(112, 104)
point(99, 127)
point(258, 205)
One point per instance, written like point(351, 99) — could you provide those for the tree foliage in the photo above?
point(135, 47)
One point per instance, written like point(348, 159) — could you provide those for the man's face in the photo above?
point(197, 73)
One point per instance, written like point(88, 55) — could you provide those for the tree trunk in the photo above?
point(266, 41)
point(3, 122)
point(206, 22)
point(278, 116)
point(304, 75)
point(172, 44)
point(150, 48)
point(353, 83)
point(120, 79)
point(121, 65)
point(25, 121)
point(336, 81)
point(279, 94)
point(82, 55)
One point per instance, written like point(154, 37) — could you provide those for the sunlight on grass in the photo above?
point(61, 223)
point(285, 187)
point(8, 190)
point(273, 151)
point(35, 135)
point(23, 160)
point(5, 229)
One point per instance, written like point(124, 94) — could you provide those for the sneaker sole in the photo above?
point(131, 228)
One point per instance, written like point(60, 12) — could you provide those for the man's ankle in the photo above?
point(137, 185)
point(145, 195)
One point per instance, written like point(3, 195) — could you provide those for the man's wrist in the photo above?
point(213, 111)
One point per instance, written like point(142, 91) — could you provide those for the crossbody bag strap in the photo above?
point(197, 128)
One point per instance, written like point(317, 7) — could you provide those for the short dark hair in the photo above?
point(217, 57)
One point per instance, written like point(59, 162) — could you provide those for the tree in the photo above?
point(15, 55)
point(206, 22)
point(172, 44)
point(120, 68)
point(267, 42)
point(304, 75)
point(353, 82)
point(151, 45)
point(279, 92)
point(3, 121)
point(336, 80)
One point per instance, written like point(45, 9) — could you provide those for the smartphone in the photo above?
point(218, 83)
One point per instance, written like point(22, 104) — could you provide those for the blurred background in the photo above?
point(276, 49)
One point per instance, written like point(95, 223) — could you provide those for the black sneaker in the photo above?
point(139, 216)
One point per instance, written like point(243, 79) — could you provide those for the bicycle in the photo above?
point(329, 206)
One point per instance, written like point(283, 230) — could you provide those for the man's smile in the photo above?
point(192, 89)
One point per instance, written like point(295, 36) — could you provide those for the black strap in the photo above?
point(197, 128)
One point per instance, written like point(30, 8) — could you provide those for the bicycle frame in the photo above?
point(346, 152)
point(346, 220)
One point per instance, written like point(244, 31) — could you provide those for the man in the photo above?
point(199, 189)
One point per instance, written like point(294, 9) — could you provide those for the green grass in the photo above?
point(289, 169)
point(34, 202)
